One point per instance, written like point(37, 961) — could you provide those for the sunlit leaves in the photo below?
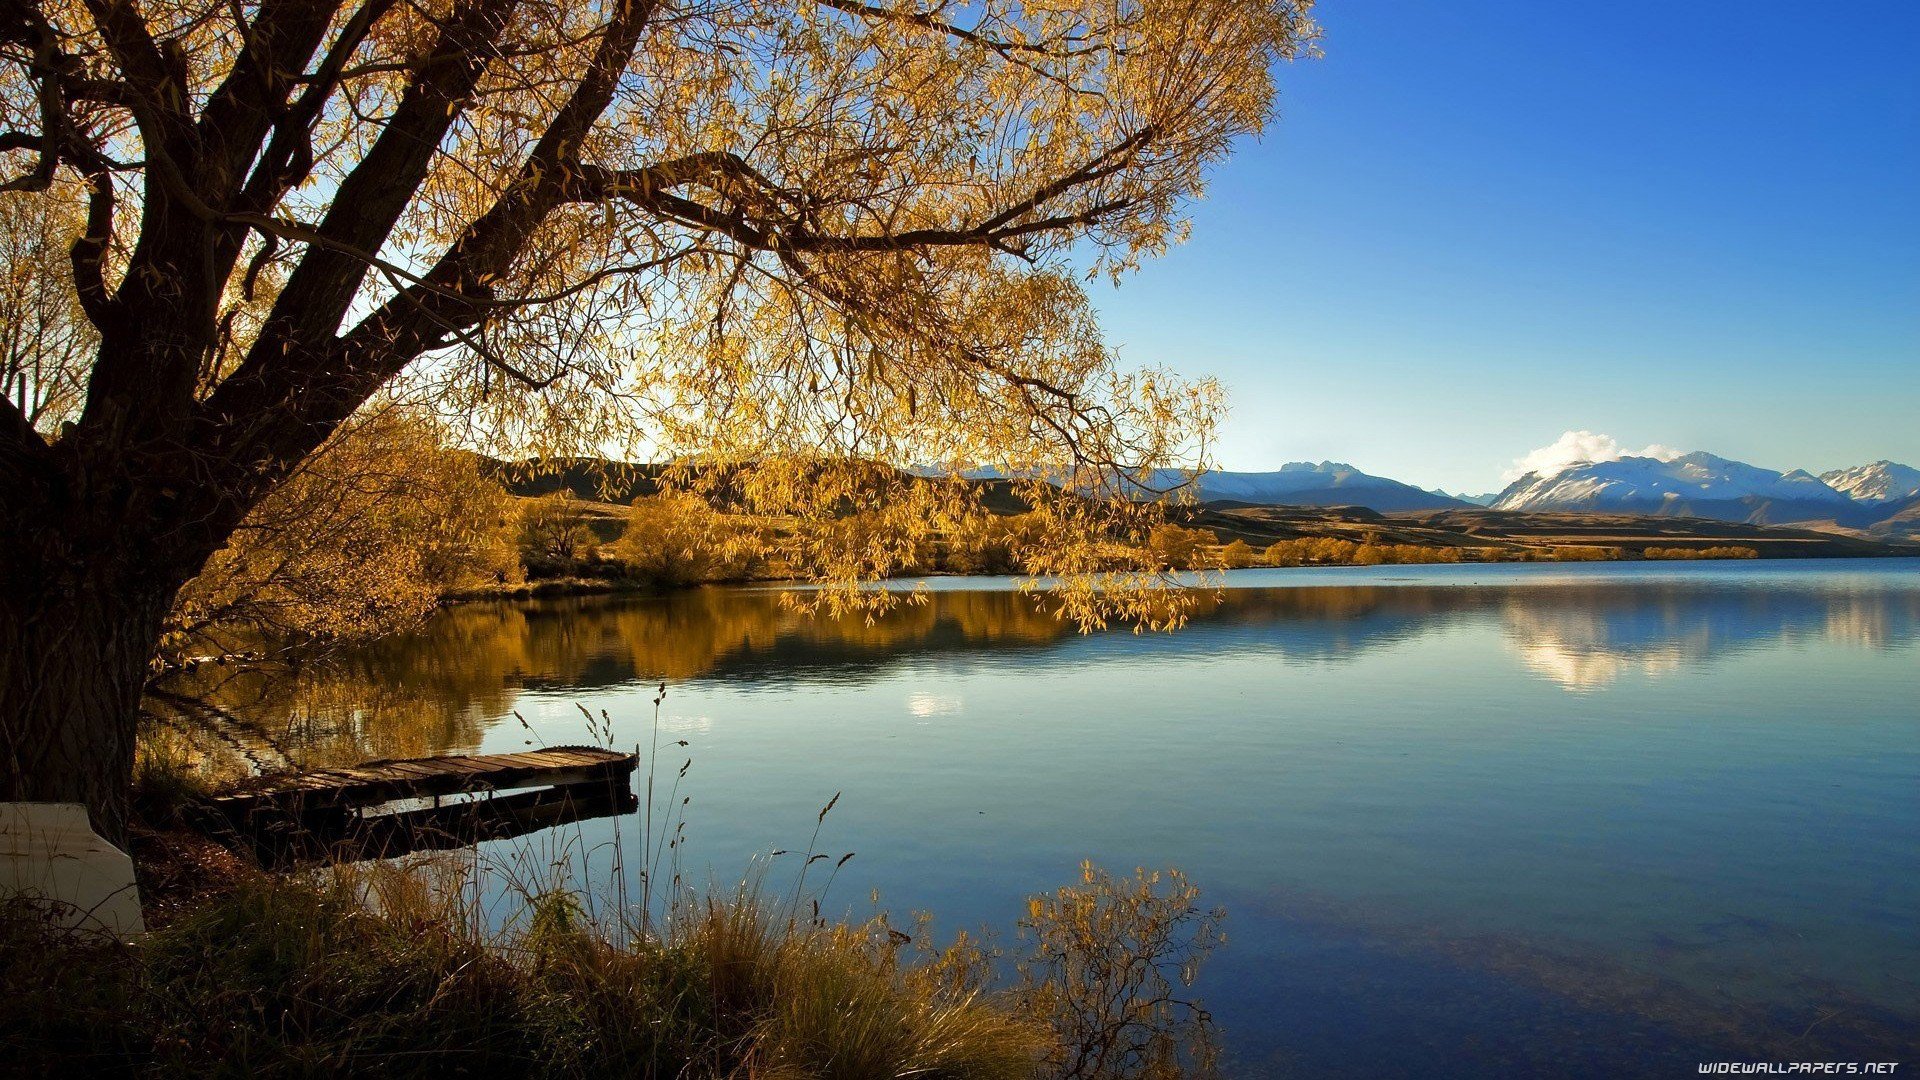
point(365, 539)
point(817, 237)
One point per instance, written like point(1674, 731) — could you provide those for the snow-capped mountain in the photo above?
point(1694, 485)
point(1881, 482)
point(1691, 485)
point(1304, 483)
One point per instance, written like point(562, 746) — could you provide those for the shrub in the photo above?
point(677, 538)
point(385, 970)
point(1331, 551)
point(553, 531)
point(1579, 553)
point(992, 545)
point(1283, 553)
point(1236, 555)
point(1716, 552)
point(1177, 547)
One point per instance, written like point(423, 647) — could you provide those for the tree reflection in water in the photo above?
point(441, 688)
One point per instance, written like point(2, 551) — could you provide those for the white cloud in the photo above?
point(1576, 447)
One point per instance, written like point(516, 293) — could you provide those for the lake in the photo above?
point(1592, 820)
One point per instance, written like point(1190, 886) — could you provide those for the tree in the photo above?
point(994, 544)
point(676, 538)
point(1176, 547)
point(363, 539)
point(750, 230)
point(1237, 555)
point(552, 530)
point(44, 337)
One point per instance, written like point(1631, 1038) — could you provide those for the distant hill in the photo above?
point(591, 479)
point(1630, 490)
point(1328, 483)
point(1304, 483)
point(595, 480)
point(1491, 534)
point(1901, 525)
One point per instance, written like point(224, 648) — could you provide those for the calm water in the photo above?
point(1590, 821)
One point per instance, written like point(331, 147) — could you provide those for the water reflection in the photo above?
point(440, 689)
point(1587, 637)
point(1425, 840)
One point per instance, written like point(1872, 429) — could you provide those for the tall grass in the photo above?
point(498, 964)
point(385, 970)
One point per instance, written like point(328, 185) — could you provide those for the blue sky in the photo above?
point(1479, 224)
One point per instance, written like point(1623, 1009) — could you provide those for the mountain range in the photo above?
point(1304, 483)
point(1878, 501)
point(1694, 485)
point(1881, 499)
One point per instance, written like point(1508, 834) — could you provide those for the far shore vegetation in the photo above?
point(385, 524)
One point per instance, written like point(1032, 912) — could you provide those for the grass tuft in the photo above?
point(376, 972)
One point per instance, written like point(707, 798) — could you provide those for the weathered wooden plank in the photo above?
point(415, 770)
point(342, 788)
point(524, 761)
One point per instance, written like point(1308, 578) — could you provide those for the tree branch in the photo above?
point(236, 119)
point(732, 178)
point(920, 18)
point(289, 155)
point(89, 251)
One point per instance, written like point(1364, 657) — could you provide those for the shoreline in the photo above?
point(562, 588)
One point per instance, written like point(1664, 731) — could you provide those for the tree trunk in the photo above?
point(75, 641)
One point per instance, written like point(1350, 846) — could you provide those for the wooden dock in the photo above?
point(363, 811)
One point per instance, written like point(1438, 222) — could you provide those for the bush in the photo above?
point(553, 531)
point(383, 970)
point(1236, 555)
point(677, 538)
point(1578, 553)
point(1176, 547)
point(1331, 551)
point(992, 545)
point(1718, 552)
point(362, 540)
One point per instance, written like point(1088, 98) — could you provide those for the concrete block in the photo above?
point(50, 853)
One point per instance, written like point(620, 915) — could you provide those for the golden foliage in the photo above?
point(364, 539)
point(1727, 551)
point(1236, 555)
point(1175, 547)
point(45, 339)
point(552, 530)
point(1333, 551)
point(1109, 969)
point(989, 544)
point(677, 538)
point(1584, 553)
point(825, 238)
